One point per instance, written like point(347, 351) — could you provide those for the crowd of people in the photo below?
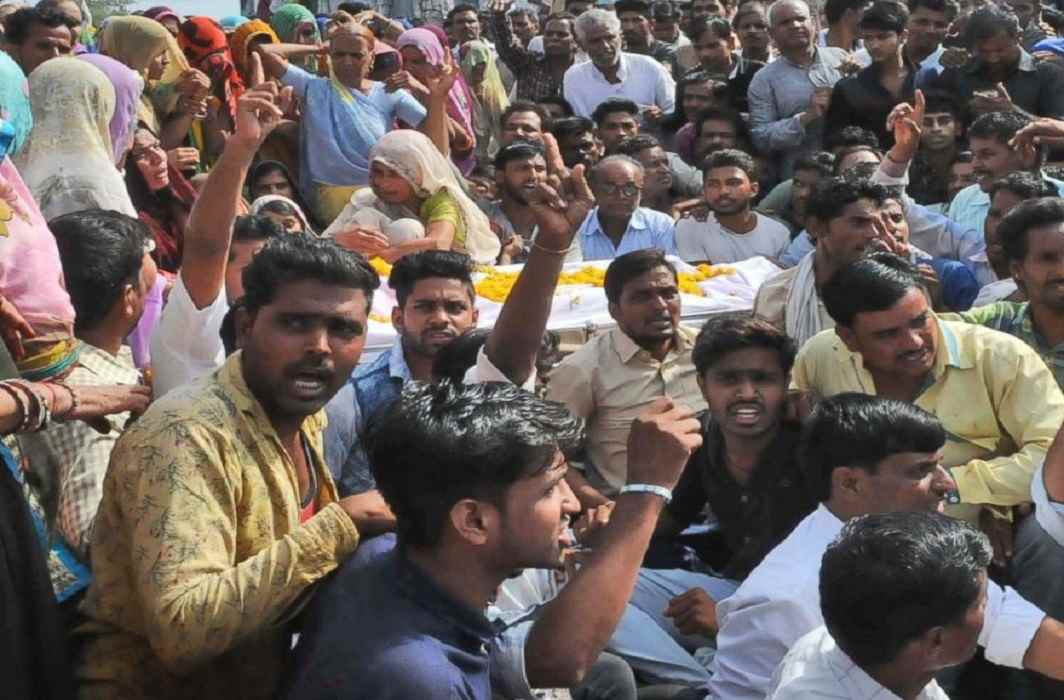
point(212, 487)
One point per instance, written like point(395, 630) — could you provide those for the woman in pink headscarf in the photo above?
point(424, 56)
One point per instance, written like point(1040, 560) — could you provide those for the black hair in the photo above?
point(864, 171)
point(640, 6)
point(629, 266)
point(874, 282)
point(17, 24)
point(353, 8)
point(525, 11)
point(951, 8)
point(430, 264)
point(572, 126)
point(885, 16)
point(665, 11)
point(859, 430)
point(989, 21)
point(718, 26)
point(101, 252)
point(440, 443)
point(288, 259)
point(482, 169)
point(558, 101)
point(835, 9)
point(268, 167)
point(742, 131)
point(730, 158)
point(1023, 185)
point(1014, 227)
point(820, 161)
point(843, 154)
point(832, 195)
point(890, 578)
point(740, 12)
point(458, 9)
point(227, 331)
point(256, 227)
point(1000, 126)
point(526, 106)
point(612, 105)
point(727, 334)
point(679, 116)
point(850, 136)
point(940, 101)
point(518, 150)
point(634, 145)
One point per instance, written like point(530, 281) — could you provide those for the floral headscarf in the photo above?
point(207, 48)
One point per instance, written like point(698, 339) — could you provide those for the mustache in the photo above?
point(318, 370)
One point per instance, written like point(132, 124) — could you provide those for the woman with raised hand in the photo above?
point(346, 114)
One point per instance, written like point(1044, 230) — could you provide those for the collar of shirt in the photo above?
point(622, 70)
point(397, 367)
point(416, 584)
point(231, 379)
point(952, 352)
point(767, 472)
point(104, 364)
point(934, 59)
point(593, 227)
point(627, 348)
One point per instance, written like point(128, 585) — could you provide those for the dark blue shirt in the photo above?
point(380, 629)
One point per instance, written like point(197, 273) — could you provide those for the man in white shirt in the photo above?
point(733, 231)
point(903, 597)
point(862, 455)
point(614, 73)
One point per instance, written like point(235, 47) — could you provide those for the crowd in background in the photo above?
point(851, 488)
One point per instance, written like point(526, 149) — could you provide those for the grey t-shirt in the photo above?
point(710, 240)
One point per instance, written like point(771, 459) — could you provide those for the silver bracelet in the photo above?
point(665, 493)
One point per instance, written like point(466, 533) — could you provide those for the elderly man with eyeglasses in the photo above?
point(619, 225)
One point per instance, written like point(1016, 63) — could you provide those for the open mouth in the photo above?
point(746, 414)
point(309, 384)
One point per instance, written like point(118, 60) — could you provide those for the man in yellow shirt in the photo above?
point(999, 403)
point(218, 511)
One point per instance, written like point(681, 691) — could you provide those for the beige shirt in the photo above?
point(770, 304)
point(611, 380)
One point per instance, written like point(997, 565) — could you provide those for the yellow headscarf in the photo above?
point(136, 41)
point(491, 92)
point(241, 39)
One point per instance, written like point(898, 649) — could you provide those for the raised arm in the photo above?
point(275, 57)
point(518, 332)
point(206, 248)
point(573, 629)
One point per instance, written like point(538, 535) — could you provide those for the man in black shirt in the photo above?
point(745, 471)
point(1001, 76)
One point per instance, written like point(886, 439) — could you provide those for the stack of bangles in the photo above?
point(34, 408)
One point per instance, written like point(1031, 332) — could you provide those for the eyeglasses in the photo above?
point(628, 190)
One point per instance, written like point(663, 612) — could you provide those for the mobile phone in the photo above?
point(386, 62)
